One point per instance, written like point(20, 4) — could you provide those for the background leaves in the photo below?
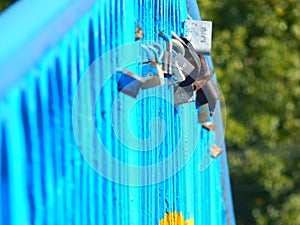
point(256, 52)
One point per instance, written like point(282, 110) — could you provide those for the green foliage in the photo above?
point(256, 53)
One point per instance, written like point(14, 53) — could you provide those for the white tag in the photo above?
point(199, 33)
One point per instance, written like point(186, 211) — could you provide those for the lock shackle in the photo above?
point(176, 37)
point(167, 39)
point(155, 53)
point(160, 50)
point(147, 51)
point(179, 46)
point(193, 58)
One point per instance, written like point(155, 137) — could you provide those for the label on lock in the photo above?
point(199, 33)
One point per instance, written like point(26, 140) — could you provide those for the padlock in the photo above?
point(179, 60)
point(156, 78)
point(183, 64)
point(151, 71)
point(209, 93)
point(199, 33)
point(130, 83)
point(183, 94)
point(192, 57)
point(199, 83)
point(178, 75)
point(152, 81)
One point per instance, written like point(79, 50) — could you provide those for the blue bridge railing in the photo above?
point(46, 48)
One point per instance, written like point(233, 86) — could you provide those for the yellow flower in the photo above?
point(175, 218)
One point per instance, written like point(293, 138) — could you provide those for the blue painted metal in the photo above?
point(227, 197)
point(45, 50)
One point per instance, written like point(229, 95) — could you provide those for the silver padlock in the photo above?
point(183, 94)
point(151, 70)
point(183, 64)
point(178, 75)
point(179, 60)
point(199, 33)
point(192, 57)
point(130, 83)
point(154, 79)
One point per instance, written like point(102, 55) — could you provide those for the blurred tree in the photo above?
point(5, 4)
point(256, 52)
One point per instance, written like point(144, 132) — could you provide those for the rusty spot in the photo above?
point(139, 33)
point(215, 151)
point(133, 75)
point(203, 114)
point(209, 126)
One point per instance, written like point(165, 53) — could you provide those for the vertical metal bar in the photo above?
point(13, 163)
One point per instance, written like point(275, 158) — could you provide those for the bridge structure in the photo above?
point(56, 168)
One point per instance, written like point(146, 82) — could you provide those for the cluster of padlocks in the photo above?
point(181, 64)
